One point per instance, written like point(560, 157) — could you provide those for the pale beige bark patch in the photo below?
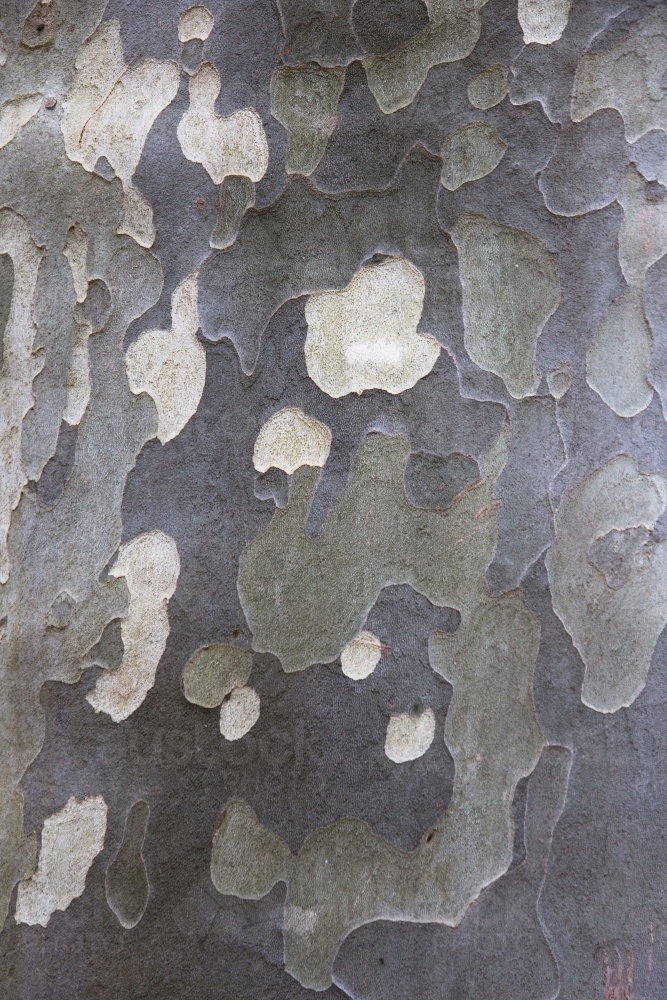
point(290, 439)
point(170, 365)
point(150, 565)
point(71, 840)
point(365, 335)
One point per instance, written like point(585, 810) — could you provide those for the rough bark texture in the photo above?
point(333, 493)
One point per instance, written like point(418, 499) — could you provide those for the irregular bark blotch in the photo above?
point(150, 565)
point(470, 153)
point(170, 365)
point(510, 289)
point(409, 736)
point(109, 110)
point(304, 100)
point(71, 840)
point(126, 879)
point(365, 336)
point(615, 630)
point(361, 655)
point(489, 87)
point(290, 439)
point(247, 859)
point(213, 672)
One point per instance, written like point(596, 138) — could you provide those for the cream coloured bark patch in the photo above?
point(15, 113)
point(71, 840)
point(235, 145)
point(170, 365)
point(543, 21)
point(150, 565)
point(290, 439)
point(110, 109)
point(195, 22)
point(365, 336)
point(642, 239)
point(361, 655)
point(409, 736)
point(19, 368)
point(239, 713)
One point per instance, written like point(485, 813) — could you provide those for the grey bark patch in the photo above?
point(126, 880)
point(96, 307)
point(614, 554)
point(60, 613)
point(649, 153)
point(584, 174)
point(108, 650)
point(213, 672)
point(434, 481)
point(510, 289)
point(6, 289)
point(58, 469)
point(272, 485)
point(191, 55)
point(104, 169)
point(319, 31)
point(382, 25)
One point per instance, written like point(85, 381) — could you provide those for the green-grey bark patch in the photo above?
point(6, 290)
point(247, 859)
point(510, 289)
point(489, 87)
point(126, 880)
point(235, 197)
point(213, 671)
point(434, 481)
point(304, 100)
point(615, 630)
point(620, 355)
point(453, 31)
point(304, 599)
point(385, 961)
point(470, 153)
